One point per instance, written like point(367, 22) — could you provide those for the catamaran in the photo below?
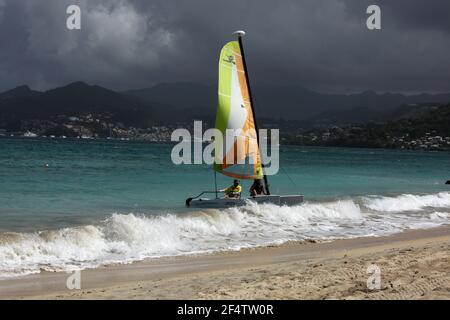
point(236, 112)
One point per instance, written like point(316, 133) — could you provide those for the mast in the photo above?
point(215, 183)
point(240, 34)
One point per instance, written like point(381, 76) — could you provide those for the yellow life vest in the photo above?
point(233, 189)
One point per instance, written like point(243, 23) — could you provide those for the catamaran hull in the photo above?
point(288, 200)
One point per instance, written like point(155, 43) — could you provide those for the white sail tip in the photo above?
point(239, 33)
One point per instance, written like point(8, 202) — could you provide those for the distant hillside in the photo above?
point(434, 120)
point(19, 92)
point(171, 103)
point(421, 127)
point(74, 99)
point(181, 95)
point(288, 103)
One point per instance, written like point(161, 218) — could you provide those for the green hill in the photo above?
point(423, 127)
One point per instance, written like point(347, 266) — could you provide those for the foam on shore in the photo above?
point(124, 238)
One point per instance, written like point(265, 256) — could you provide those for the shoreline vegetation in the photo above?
point(413, 265)
point(368, 119)
point(428, 142)
point(426, 129)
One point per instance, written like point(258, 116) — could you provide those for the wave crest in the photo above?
point(408, 202)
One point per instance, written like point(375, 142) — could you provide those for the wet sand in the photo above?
point(413, 265)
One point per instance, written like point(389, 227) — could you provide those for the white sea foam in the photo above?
point(408, 202)
point(130, 237)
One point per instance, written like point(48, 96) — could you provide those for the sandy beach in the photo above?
point(413, 265)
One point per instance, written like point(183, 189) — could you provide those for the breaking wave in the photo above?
point(408, 202)
point(124, 238)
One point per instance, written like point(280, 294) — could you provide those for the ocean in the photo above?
point(68, 204)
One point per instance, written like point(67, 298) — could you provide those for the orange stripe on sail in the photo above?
point(249, 146)
point(237, 175)
point(249, 126)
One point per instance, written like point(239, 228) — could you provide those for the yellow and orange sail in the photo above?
point(240, 156)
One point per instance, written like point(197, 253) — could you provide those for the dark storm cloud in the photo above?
point(320, 44)
point(431, 14)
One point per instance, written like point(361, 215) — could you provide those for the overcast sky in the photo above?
point(319, 44)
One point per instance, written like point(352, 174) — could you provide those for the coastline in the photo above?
point(414, 264)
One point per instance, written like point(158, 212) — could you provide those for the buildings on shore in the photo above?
point(354, 136)
point(89, 127)
point(102, 126)
point(427, 142)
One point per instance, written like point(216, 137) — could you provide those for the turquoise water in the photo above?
point(101, 202)
point(88, 180)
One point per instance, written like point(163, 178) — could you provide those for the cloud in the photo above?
point(2, 6)
point(320, 44)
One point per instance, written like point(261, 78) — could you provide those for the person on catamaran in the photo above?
point(233, 191)
point(257, 188)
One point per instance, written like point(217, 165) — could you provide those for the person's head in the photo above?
point(236, 182)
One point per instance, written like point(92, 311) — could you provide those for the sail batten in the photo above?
point(240, 151)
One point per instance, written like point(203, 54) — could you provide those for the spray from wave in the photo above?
point(125, 238)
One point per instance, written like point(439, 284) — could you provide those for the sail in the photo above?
point(240, 156)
